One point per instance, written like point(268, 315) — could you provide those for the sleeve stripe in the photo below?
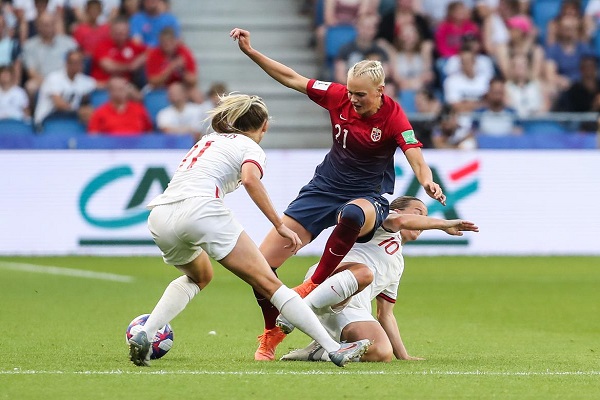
point(257, 164)
point(386, 298)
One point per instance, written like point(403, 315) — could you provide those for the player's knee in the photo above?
point(364, 277)
point(351, 213)
point(379, 353)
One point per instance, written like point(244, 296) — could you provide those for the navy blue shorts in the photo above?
point(317, 210)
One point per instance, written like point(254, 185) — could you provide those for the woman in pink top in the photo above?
point(456, 25)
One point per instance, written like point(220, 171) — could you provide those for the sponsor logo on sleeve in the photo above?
point(320, 85)
point(409, 137)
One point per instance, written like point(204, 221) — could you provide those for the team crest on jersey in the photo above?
point(375, 134)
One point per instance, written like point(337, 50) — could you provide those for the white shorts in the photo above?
point(358, 309)
point(335, 321)
point(183, 229)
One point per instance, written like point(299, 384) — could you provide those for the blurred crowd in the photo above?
point(473, 67)
point(479, 66)
point(116, 67)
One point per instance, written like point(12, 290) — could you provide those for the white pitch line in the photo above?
point(79, 273)
point(17, 371)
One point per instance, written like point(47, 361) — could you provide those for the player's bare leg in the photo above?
point(248, 263)
point(381, 350)
point(273, 249)
point(198, 273)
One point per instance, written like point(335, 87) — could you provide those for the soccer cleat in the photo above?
point(348, 351)
point(312, 352)
point(286, 326)
point(139, 349)
point(268, 343)
point(305, 288)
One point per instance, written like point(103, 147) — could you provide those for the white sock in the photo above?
point(175, 298)
point(291, 306)
point(334, 290)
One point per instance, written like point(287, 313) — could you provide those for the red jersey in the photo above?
point(88, 37)
point(109, 49)
point(132, 120)
point(361, 159)
point(158, 61)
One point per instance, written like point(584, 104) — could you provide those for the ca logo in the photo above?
point(132, 214)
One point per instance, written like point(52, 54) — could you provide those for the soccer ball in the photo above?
point(161, 342)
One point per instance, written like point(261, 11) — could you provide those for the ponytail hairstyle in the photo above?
point(402, 202)
point(370, 68)
point(238, 113)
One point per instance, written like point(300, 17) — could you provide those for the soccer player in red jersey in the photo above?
point(348, 186)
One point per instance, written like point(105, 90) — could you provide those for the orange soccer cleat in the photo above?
point(269, 341)
point(305, 288)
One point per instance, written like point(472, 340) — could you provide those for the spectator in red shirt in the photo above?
point(172, 62)
point(120, 116)
point(118, 55)
point(448, 36)
point(89, 33)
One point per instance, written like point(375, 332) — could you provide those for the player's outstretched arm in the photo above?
point(385, 316)
point(251, 176)
point(455, 227)
point(276, 70)
point(424, 175)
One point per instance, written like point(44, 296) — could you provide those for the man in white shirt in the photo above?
point(65, 90)
point(465, 89)
point(182, 116)
point(45, 52)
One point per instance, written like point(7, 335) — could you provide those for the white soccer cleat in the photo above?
point(286, 326)
point(140, 349)
point(312, 352)
point(349, 351)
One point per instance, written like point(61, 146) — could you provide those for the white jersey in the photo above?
point(212, 168)
point(58, 83)
point(187, 120)
point(13, 103)
point(383, 255)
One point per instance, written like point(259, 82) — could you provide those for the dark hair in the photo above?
point(168, 31)
point(93, 2)
point(402, 202)
point(445, 112)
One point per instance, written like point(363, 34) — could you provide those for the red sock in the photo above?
point(269, 311)
point(338, 245)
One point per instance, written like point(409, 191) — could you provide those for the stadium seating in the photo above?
point(540, 140)
point(335, 38)
point(541, 126)
point(543, 11)
point(58, 124)
point(406, 98)
point(15, 126)
point(145, 141)
point(98, 97)
point(154, 101)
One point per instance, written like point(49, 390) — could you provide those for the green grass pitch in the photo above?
point(489, 328)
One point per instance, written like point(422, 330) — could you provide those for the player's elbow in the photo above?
point(250, 181)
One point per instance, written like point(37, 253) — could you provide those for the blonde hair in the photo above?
point(238, 113)
point(370, 68)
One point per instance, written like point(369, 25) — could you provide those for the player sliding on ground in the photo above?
point(374, 270)
point(190, 222)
